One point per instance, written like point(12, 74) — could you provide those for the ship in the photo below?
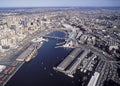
point(39, 44)
point(32, 55)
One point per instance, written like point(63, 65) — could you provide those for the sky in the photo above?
point(54, 3)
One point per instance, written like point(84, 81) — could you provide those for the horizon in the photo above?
point(61, 3)
point(64, 7)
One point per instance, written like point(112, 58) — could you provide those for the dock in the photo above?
point(66, 62)
point(13, 73)
point(74, 67)
point(27, 53)
point(71, 63)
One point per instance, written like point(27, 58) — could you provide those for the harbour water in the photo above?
point(39, 71)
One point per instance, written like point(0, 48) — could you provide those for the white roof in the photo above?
point(94, 79)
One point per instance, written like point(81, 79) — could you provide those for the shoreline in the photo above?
point(17, 67)
point(11, 75)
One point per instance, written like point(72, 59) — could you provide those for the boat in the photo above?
point(32, 55)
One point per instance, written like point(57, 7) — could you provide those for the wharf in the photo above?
point(71, 63)
point(66, 62)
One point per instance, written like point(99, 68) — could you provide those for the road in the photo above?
point(11, 55)
point(102, 54)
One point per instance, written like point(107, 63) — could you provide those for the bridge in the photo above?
point(57, 38)
point(64, 30)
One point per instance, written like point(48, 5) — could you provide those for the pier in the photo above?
point(27, 52)
point(71, 63)
point(14, 71)
point(66, 62)
point(75, 65)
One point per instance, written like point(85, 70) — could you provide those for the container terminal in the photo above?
point(6, 72)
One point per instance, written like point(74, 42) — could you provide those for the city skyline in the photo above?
point(61, 3)
point(59, 46)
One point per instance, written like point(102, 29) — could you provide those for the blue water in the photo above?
point(39, 71)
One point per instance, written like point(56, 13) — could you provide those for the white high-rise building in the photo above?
point(3, 41)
